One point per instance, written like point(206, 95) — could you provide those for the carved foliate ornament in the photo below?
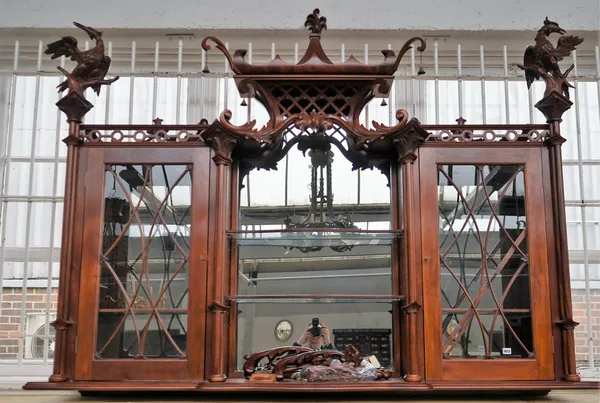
point(409, 139)
point(313, 95)
point(315, 23)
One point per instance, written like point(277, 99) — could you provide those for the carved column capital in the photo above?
point(75, 106)
point(408, 140)
point(222, 144)
point(553, 106)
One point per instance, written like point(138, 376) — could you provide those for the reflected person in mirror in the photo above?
point(316, 336)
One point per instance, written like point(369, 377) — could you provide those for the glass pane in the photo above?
point(144, 262)
point(366, 326)
point(486, 306)
point(365, 270)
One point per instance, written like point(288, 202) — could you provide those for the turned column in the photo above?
point(75, 106)
point(553, 106)
point(222, 145)
point(407, 142)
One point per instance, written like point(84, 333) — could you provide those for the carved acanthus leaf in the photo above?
point(222, 144)
point(409, 139)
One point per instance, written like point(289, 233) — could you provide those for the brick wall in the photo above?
point(581, 335)
point(10, 316)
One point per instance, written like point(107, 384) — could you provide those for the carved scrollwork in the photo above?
point(363, 135)
point(252, 360)
point(311, 357)
point(406, 47)
point(221, 46)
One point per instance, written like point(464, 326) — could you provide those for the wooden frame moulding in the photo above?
point(308, 103)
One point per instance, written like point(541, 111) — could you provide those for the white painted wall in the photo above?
point(289, 14)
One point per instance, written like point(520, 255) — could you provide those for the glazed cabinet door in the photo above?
point(485, 264)
point(143, 269)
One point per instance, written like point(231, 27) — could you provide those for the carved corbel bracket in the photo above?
point(61, 324)
point(217, 307)
point(408, 140)
point(412, 308)
point(566, 323)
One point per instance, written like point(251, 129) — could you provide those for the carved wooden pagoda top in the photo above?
point(310, 102)
point(315, 83)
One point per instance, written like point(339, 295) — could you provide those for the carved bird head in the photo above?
point(551, 27)
point(93, 33)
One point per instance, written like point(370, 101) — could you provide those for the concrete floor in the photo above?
point(588, 396)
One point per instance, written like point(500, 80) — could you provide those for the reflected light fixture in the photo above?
point(321, 215)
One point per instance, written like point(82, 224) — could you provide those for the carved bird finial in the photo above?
point(314, 23)
point(92, 65)
point(541, 60)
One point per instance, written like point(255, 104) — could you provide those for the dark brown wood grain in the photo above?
point(541, 366)
point(328, 97)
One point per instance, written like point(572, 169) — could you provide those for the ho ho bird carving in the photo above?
point(92, 65)
point(541, 60)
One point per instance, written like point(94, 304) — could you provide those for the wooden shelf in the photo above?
point(313, 299)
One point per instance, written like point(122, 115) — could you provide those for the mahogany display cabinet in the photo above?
point(168, 283)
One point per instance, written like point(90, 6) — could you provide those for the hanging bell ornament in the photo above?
point(383, 103)
point(421, 69)
point(243, 103)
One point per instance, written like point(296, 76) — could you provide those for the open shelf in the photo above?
point(306, 238)
point(313, 299)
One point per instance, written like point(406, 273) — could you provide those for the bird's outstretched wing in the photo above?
point(565, 45)
point(66, 46)
point(530, 65)
point(102, 71)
